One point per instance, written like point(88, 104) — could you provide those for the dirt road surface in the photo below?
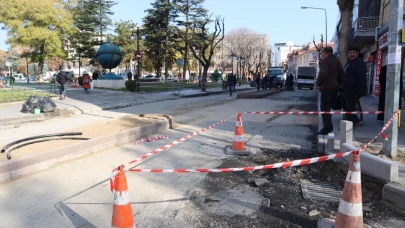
point(76, 193)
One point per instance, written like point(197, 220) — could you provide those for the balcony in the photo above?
point(364, 30)
point(366, 23)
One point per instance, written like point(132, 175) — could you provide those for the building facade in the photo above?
point(281, 51)
point(370, 34)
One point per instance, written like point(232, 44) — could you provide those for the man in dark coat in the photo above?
point(62, 78)
point(95, 75)
point(258, 82)
point(354, 86)
point(329, 80)
point(231, 83)
point(129, 74)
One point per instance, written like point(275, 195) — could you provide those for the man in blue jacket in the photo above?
point(354, 85)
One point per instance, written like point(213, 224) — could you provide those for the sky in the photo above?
point(281, 20)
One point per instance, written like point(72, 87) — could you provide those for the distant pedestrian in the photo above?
point(258, 82)
point(265, 82)
point(62, 78)
point(86, 80)
point(129, 74)
point(354, 86)
point(330, 78)
point(95, 75)
point(235, 81)
point(231, 83)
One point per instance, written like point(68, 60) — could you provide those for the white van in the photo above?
point(19, 78)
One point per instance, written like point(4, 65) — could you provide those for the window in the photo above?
point(386, 12)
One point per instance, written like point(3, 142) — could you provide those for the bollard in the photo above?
point(346, 132)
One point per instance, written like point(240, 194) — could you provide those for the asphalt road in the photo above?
point(76, 193)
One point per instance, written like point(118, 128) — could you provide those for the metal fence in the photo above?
point(21, 91)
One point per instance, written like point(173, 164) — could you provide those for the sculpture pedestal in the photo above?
point(110, 76)
point(110, 84)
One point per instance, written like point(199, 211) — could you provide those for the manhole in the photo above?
point(320, 191)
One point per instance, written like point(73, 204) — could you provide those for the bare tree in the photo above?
point(208, 42)
point(346, 10)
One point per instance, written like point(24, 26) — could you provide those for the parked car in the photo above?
point(149, 77)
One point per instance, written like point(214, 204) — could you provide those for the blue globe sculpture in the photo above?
point(109, 56)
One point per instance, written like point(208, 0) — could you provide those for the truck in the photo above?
point(277, 76)
point(306, 77)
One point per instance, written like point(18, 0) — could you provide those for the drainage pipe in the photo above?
point(38, 137)
point(39, 141)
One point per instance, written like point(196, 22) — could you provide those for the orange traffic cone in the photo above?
point(122, 216)
point(350, 212)
point(238, 143)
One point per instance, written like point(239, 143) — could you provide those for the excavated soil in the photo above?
point(92, 130)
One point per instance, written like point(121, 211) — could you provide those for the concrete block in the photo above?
point(112, 84)
point(394, 193)
point(330, 142)
point(346, 132)
point(228, 150)
point(373, 165)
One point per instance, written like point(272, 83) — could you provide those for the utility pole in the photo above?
point(393, 82)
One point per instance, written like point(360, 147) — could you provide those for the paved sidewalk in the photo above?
point(367, 131)
point(78, 102)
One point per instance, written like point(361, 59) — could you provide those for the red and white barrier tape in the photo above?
point(151, 139)
point(382, 130)
point(313, 113)
point(167, 146)
point(300, 162)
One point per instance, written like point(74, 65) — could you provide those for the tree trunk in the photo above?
point(204, 78)
point(346, 10)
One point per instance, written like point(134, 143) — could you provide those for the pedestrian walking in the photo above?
point(234, 81)
point(231, 83)
point(95, 75)
point(62, 78)
point(258, 82)
point(265, 82)
point(86, 80)
point(129, 74)
point(330, 78)
point(354, 86)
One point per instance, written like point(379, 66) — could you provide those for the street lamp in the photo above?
point(138, 59)
point(233, 55)
point(326, 21)
point(197, 51)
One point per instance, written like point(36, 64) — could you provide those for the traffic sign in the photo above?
point(179, 62)
point(138, 55)
point(9, 63)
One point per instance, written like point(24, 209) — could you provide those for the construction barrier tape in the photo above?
point(167, 146)
point(312, 113)
point(382, 130)
point(300, 162)
point(151, 139)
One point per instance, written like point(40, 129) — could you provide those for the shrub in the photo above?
point(131, 85)
point(80, 80)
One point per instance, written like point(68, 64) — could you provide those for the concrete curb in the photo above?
point(257, 94)
point(212, 93)
point(391, 192)
point(15, 168)
point(68, 112)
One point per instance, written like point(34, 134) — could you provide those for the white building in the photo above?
point(281, 51)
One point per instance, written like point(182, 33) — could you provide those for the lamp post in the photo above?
point(138, 58)
point(233, 55)
point(197, 51)
point(326, 21)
